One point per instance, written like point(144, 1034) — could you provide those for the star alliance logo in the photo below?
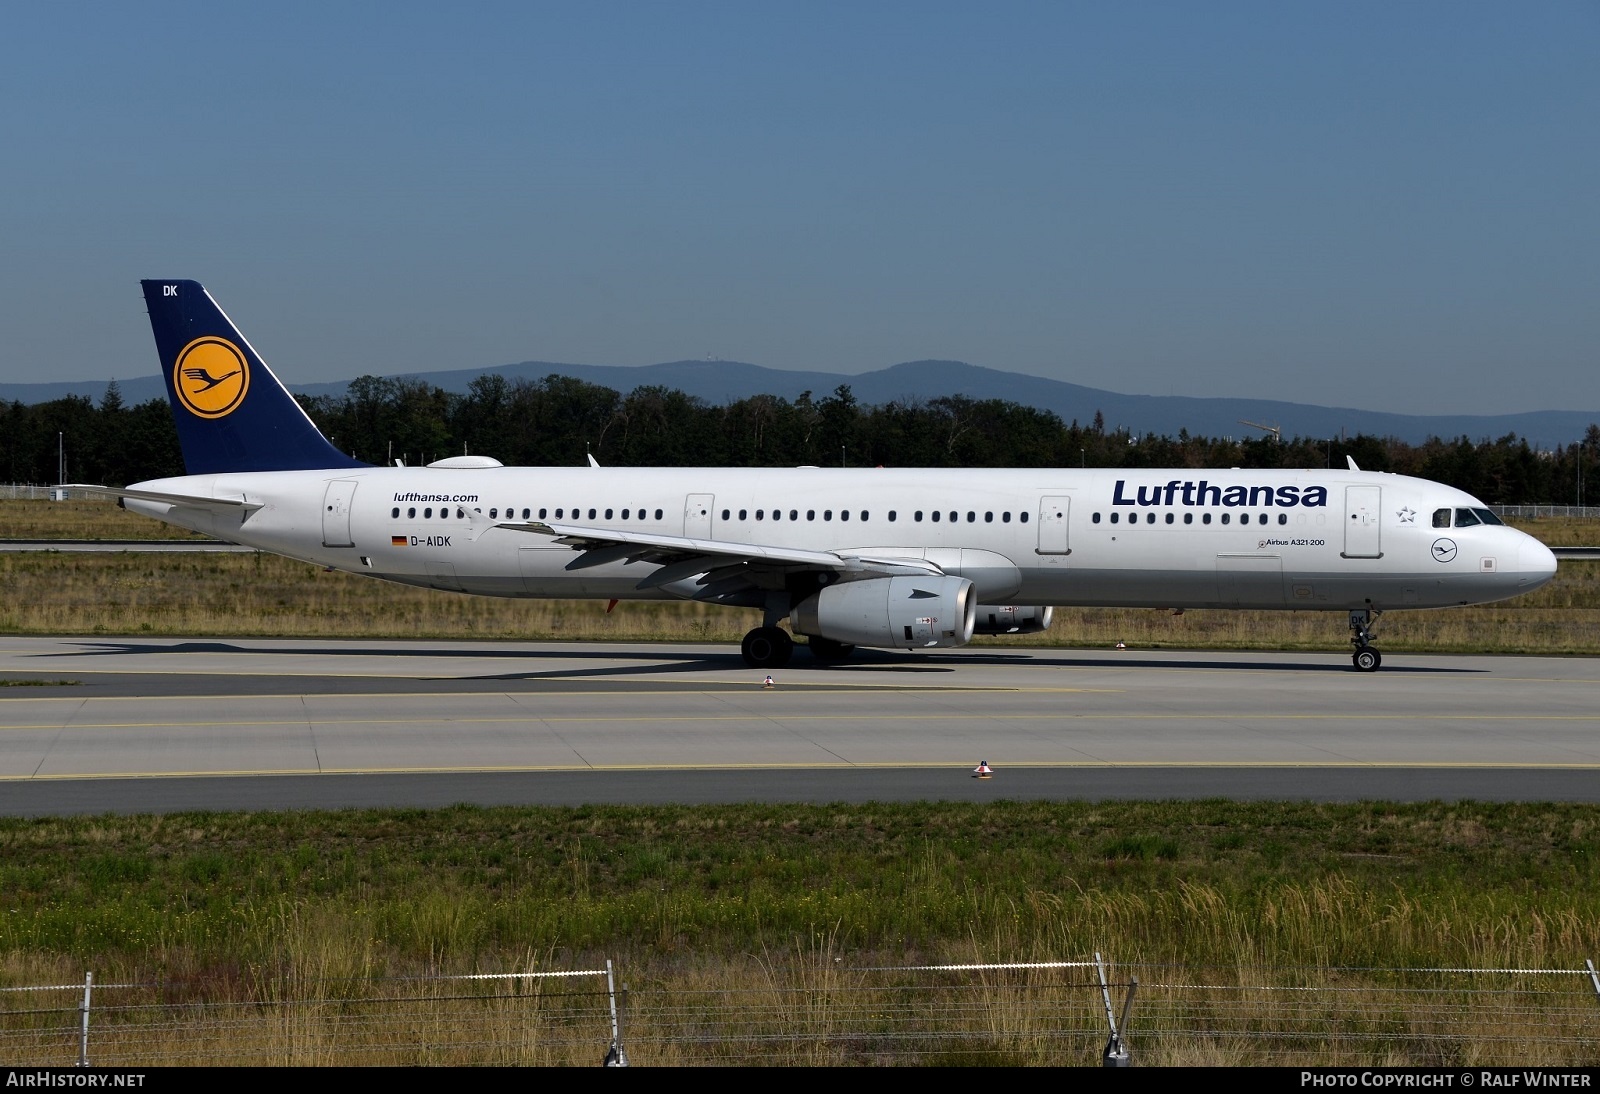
point(1407, 515)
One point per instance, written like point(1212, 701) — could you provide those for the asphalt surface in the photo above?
point(131, 725)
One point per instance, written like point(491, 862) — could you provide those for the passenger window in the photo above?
point(608, 514)
point(725, 514)
point(658, 514)
point(917, 516)
point(811, 514)
point(591, 514)
point(1188, 518)
point(411, 513)
point(1226, 517)
point(744, 514)
point(1466, 518)
point(844, 514)
point(427, 514)
point(954, 517)
point(1149, 518)
point(1005, 518)
point(1206, 519)
point(559, 512)
point(1283, 518)
point(1023, 517)
point(1095, 519)
point(624, 514)
point(988, 518)
point(794, 514)
point(892, 516)
point(1115, 516)
point(494, 514)
point(972, 518)
point(777, 514)
point(1170, 518)
point(395, 513)
point(827, 514)
point(542, 512)
point(935, 516)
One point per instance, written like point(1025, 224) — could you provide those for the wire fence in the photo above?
point(14, 491)
point(822, 1011)
point(1527, 512)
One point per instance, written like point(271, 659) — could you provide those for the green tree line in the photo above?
point(558, 420)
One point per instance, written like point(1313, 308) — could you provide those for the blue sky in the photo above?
point(1394, 206)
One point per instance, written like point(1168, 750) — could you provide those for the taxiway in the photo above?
point(160, 724)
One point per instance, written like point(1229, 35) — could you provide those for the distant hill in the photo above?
point(724, 381)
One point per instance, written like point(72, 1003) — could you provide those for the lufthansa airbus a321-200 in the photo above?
point(913, 558)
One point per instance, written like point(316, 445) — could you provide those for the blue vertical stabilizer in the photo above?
point(232, 413)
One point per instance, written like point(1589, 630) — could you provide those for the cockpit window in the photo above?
point(1441, 518)
point(1488, 517)
point(1466, 518)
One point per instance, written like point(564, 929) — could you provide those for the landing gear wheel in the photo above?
point(1366, 659)
point(827, 650)
point(767, 648)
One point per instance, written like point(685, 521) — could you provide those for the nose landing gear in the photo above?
point(1363, 632)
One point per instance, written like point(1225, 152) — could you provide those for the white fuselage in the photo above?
point(1318, 540)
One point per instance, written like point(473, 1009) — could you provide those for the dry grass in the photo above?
point(264, 595)
point(81, 518)
point(1260, 933)
point(275, 597)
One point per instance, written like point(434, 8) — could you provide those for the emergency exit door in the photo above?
point(1054, 522)
point(697, 515)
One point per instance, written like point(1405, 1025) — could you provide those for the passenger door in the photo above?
point(336, 513)
point(1362, 531)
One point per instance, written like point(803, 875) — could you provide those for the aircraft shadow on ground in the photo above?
point(656, 660)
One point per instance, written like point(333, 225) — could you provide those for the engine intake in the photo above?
point(906, 613)
point(1013, 619)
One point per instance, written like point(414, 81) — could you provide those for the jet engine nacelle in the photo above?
point(1013, 619)
point(891, 612)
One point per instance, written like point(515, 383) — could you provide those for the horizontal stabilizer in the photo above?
point(188, 501)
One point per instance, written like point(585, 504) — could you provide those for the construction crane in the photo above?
point(1277, 433)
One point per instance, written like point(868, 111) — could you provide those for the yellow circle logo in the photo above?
point(211, 377)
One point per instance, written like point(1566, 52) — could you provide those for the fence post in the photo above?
point(1116, 1050)
point(1594, 978)
point(83, 1015)
point(616, 1055)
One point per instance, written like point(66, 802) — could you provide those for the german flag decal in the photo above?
point(397, 541)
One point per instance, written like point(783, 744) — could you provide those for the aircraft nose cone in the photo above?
point(1537, 561)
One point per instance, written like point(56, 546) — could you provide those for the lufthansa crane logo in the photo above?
point(211, 377)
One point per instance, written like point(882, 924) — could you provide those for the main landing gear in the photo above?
point(1363, 632)
point(767, 648)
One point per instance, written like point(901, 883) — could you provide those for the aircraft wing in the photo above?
point(723, 567)
point(191, 501)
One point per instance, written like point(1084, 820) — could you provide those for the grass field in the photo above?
point(264, 595)
point(732, 897)
point(708, 900)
